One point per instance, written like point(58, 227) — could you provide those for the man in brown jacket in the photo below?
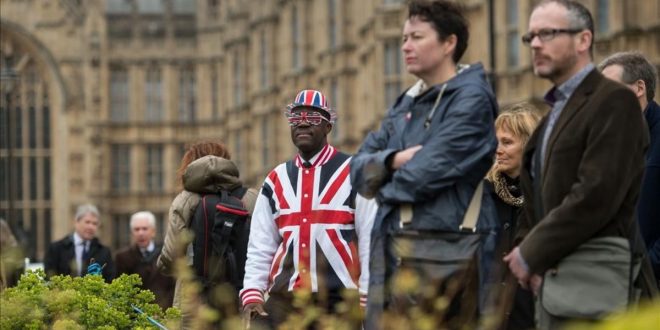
point(583, 165)
point(140, 258)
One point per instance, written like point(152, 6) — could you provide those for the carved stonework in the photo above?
point(75, 10)
point(75, 85)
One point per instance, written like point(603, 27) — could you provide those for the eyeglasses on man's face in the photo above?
point(312, 118)
point(546, 34)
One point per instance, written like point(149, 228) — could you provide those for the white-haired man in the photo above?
point(140, 258)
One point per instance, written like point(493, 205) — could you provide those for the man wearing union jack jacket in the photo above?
point(310, 230)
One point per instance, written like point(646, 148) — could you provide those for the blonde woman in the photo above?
point(513, 127)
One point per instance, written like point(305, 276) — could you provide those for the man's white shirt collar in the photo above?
point(150, 248)
point(77, 240)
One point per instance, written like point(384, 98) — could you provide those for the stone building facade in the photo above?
point(109, 92)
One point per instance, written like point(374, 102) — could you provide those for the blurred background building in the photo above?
point(99, 98)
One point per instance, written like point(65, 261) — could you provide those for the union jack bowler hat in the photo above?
point(314, 99)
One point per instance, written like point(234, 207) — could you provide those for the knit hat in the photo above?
point(313, 99)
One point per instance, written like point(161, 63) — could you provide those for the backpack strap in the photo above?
point(225, 232)
point(223, 242)
point(225, 216)
point(239, 192)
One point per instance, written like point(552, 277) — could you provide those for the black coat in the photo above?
point(61, 258)
point(511, 302)
point(130, 261)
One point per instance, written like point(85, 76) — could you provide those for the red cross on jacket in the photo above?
point(309, 230)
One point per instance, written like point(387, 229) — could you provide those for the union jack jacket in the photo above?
point(309, 229)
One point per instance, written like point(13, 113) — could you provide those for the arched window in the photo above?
point(25, 147)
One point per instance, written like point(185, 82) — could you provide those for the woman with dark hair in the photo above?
point(513, 127)
point(425, 163)
point(205, 169)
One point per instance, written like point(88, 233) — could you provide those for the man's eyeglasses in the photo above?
point(312, 118)
point(546, 34)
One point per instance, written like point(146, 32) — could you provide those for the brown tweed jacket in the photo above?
point(590, 181)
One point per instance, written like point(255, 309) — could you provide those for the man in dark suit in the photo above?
point(72, 254)
point(140, 258)
point(583, 166)
point(635, 71)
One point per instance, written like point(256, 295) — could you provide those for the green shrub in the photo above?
point(80, 303)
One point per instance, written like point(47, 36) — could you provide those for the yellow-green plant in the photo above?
point(86, 302)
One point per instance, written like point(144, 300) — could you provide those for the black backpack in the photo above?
point(221, 229)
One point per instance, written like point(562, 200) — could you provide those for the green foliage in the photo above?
point(67, 303)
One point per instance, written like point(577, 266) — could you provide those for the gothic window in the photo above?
point(266, 136)
point(213, 8)
point(160, 226)
point(238, 152)
point(512, 35)
point(151, 19)
point(150, 7)
point(4, 180)
point(603, 16)
point(117, 7)
point(25, 150)
point(183, 14)
point(184, 7)
point(237, 71)
point(264, 77)
point(121, 167)
point(154, 95)
point(332, 26)
point(121, 230)
point(187, 99)
point(296, 58)
point(334, 103)
point(215, 92)
point(120, 22)
point(180, 152)
point(392, 70)
point(119, 95)
point(33, 174)
point(154, 168)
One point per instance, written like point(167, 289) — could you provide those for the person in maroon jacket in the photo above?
point(140, 258)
